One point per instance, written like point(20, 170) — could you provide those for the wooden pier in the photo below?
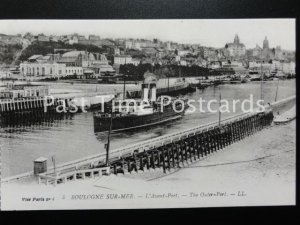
point(9, 106)
point(167, 152)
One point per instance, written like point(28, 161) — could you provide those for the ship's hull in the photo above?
point(133, 122)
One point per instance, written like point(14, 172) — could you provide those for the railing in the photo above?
point(72, 175)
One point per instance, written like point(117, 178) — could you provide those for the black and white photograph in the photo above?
point(140, 113)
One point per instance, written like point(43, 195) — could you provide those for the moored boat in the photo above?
point(131, 114)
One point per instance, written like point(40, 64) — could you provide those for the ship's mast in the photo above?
point(54, 166)
point(108, 140)
point(276, 90)
point(261, 82)
point(168, 84)
point(124, 90)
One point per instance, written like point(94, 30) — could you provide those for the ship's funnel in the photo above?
point(152, 92)
point(145, 92)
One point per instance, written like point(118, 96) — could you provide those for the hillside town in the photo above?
point(75, 56)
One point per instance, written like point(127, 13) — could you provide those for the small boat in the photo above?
point(285, 117)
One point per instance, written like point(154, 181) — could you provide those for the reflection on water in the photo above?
point(73, 137)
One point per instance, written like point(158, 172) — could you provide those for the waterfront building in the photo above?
point(289, 68)
point(100, 67)
point(235, 49)
point(43, 69)
point(260, 66)
point(73, 70)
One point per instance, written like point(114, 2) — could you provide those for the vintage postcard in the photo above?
point(118, 114)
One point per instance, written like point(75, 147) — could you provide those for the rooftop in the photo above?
point(73, 54)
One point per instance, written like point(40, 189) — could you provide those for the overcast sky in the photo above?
point(214, 33)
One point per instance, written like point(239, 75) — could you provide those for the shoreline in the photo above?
point(258, 170)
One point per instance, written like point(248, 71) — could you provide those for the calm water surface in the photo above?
point(73, 137)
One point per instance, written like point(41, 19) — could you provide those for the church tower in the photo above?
point(236, 39)
point(266, 43)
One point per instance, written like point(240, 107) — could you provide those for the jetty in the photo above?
point(166, 152)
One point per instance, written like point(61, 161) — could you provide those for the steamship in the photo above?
point(131, 114)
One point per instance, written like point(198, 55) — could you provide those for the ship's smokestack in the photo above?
point(145, 92)
point(153, 92)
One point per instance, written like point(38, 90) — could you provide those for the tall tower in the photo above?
point(266, 43)
point(236, 39)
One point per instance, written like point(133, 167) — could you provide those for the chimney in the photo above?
point(153, 92)
point(145, 92)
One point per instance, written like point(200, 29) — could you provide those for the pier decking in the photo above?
point(169, 151)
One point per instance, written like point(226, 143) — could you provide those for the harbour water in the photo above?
point(72, 137)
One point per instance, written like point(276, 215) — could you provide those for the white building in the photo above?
point(43, 69)
point(74, 70)
point(289, 67)
point(236, 49)
point(128, 44)
point(122, 59)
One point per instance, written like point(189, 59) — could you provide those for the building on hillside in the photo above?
point(93, 37)
point(43, 38)
point(128, 44)
point(208, 52)
point(72, 40)
point(49, 58)
point(122, 59)
point(3, 47)
point(235, 49)
point(214, 65)
point(34, 58)
point(257, 51)
point(53, 38)
point(116, 51)
point(76, 58)
point(10, 39)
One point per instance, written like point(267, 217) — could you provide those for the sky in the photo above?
point(206, 32)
